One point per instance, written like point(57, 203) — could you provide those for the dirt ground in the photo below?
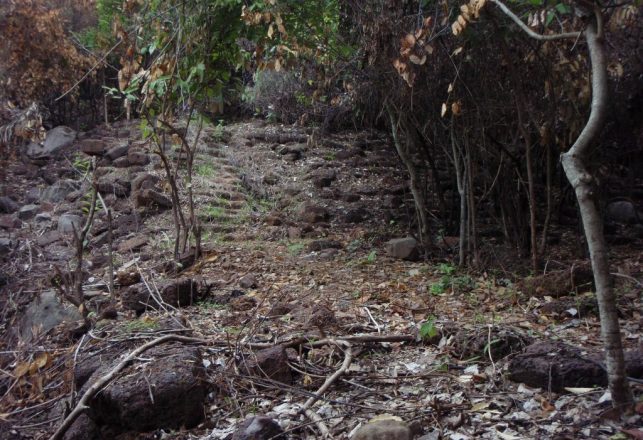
point(295, 229)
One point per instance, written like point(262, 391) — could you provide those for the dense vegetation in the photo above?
point(479, 107)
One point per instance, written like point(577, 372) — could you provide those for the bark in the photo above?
point(583, 183)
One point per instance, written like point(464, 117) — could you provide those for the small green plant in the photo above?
point(218, 132)
point(329, 157)
point(427, 328)
point(438, 288)
point(141, 325)
point(211, 305)
point(371, 257)
point(295, 248)
point(205, 170)
point(81, 164)
point(214, 212)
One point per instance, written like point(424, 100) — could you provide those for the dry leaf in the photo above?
point(458, 50)
point(444, 109)
point(456, 108)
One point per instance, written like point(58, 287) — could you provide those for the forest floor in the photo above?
point(297, 255)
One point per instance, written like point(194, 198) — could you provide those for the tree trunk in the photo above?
point(583, 183)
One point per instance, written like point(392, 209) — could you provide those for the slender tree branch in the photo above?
point(508, 12)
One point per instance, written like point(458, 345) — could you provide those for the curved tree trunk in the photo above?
point(583, 183)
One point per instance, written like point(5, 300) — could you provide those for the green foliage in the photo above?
point(295, 248)
point(427, 328)
point(205, 170)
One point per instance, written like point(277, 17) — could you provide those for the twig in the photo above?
point(348, 356)
point(489, 348)
point(508, 12)
point(103, 58)
point(377, 326)
point(104, 380)
point(312, 415)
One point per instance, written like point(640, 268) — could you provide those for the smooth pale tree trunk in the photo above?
point(584, 185)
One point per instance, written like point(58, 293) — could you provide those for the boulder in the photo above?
point(323, 178)
point(67, 223)
point(138, 157)
point(181, 292)
point(58, 191)
point(623, 211)
point(311, 213)
point(132, 244)
point(93, 147)
point(144, 181)
point(406, 248)
point(9, 222)
point(248, 281)
point(166, 392)
point(384, 427)
point(27, 212)
point(117, 151)
point(7, 205)
point(45, 313)
point(148, 197)
point(270, 362)
point(356, 215)
point(258, 428)
point(57, 138)
point(555, 366)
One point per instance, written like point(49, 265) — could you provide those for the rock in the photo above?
point(48, 238)
point(558, 283)
point(258, 428)
point(294, 233)
point(323, 178)
point(128, 277)
point(9, 222)
point(270, 362)
point(351, 197)
point(318, 245)
point(59, 190)
point(117, 151)
point(67, 223)
point(113, 184)
point(138, 157)
point(150, 198)
point(554, 366)
point(32, 195)
point(623, 212)
point(27, 212)
point(6, 244)
point(181, 292)
point(93, 147)
point(243, 303)
point(121, 162)
point(7, 205)
point(42, 217)
point(132, 244)
point(311, 213)
point(167, 392)
point(144, 181)
point(403, 248)
point(57, 138)
point(45, 313)
point(248, 281)
point(357, 215)
point(384, 427)
point(83, 428)
point(292, 152)
point(270, 179)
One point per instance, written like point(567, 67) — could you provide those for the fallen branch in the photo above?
point(348, 357)
point(82, 404)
